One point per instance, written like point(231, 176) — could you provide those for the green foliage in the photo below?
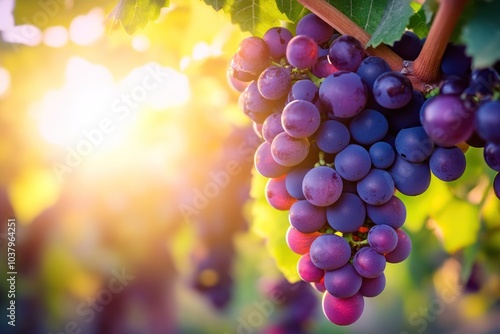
point(292, 9)
point(418, 24)
point(272, 224)
point(136, 14)
point(481, 33)
point(392, 25)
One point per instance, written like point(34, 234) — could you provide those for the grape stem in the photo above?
point(424, 72)
point(427, 66)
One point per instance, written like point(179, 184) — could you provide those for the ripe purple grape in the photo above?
point(382, 155)
point(322, 186)
point(346, 53)
point(353, 163)
point(382, 238)
point(392, 213)
point(343, 311)
point(299, 242)
point(332, 136)
point(343, 282)
point(492, 156)
point(343, 94)
point(446, 120)
point(265, 163)
point(368, 263)
point(300, 118)
point(302, 51)
point(308, 271)
point(252, 55)
point(289, 151)
point(376, 188)
point(277, 195)
point(413, 144)
point(330, 252)
point(272, 127)
point(392, 90)
point(402, 250)
point(346, 215)
point(314, 27)
point(274, 82)
point(277, 39)
point(488, 121)
point(368, 127)
point(447, 164)
point(372, 287)
point(305, 217)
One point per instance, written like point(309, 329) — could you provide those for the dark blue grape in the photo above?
point(492, 156)
point(368, 127)
point(376, 188)
point(346, 53)
point(347, 214)
point(410, 178)
point(447, 164)
point(293, 181)
point(392, 213)
point(353, 163)
point(409, 46)
point(488, 121)
point(332, 136)
point(370, 69)
point(413, 144)
point(455, 61)
point(382, 155)
point(392, 90)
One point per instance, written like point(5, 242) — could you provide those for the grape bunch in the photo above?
point(342, 132)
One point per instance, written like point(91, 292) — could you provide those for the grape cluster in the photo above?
point(342, 132)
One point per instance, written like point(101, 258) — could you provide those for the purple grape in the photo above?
point(488, 121)
point(392, 213)
point(453, 85)
point(322, 186)
point(353, 163)
point(323, 68)
point(305, 217)
point(302, 52)
point(492, 156)
point(410, 178)
point(407, 116)
point(235, 72)
point(308, 271)
point(446, 120)
point(382, 238)
point(343, 282)
point(346, 215)
point(402, 250)
point(299, 242)
point(252, 55)
point(409, 46)
point(368, 127)
point(368, 263)
point(277, 39)
point(455, 61)
point(330, 252)
point(343, 94)
point(346, 53)
point(496, 185)
point(254, 105)
point(314, 27)
point(277, 195)
point(303, 90)
point(265, 164)
point(257, 129)
point(343, 311)
point(392, 90)
point(484, 80)
point(274, 82)
point(370, 69)
point(372, 287)
point(332, 136)
point(413, 144)
point(289, 151)
point(447, 164)
point(272, 127)
point(382, 155)
point(300, 118)
point(293, 181)
point(376, 188)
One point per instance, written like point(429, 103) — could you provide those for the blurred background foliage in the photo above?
point(88, 211)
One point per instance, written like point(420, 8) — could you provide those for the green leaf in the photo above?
point(418, 24)
point(292, 9)
point(272, 225)
point(459, 223)
point(216, 4)
point(430, 7)
point(255, 16)
point(385, 20)
point(393, 24)
point(481, 33)
point(136, 14)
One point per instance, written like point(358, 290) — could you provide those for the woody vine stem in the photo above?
point(424, 71)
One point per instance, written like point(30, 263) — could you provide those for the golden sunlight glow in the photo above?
point(55, 37)
point(4, 81)
point(86, 29)
point(26, 34)
point(140, 43)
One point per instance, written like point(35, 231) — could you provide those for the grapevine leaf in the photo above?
point(272, 224)
point(136, 14)
point(292, 9)
point(481, 33)
point(418, 24)
point(255, 16)
point(459, 224)
point(430, 7)
point(216, 4)
point(392, 25)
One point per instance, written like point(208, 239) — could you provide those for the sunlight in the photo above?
point(56, 36)
point(4, 81)
point(86, 29)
